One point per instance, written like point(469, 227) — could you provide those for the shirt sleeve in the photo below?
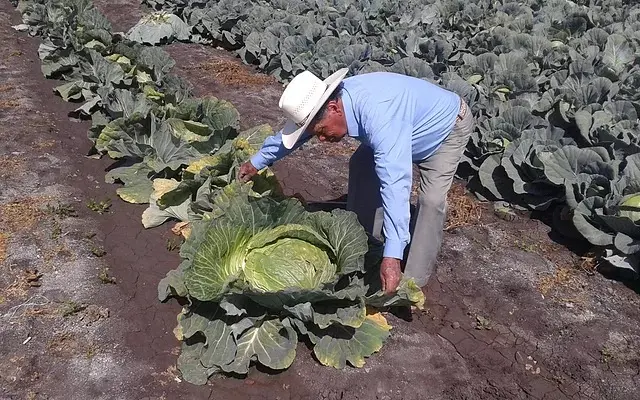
point(272, 150)
point(390, 138)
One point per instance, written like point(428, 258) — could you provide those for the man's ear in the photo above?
point(334, 106)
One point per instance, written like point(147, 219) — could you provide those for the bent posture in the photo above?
point(399, 121)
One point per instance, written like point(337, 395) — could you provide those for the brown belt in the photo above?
point(463, 110)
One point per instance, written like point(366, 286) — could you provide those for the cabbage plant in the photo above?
point(606, 212)
point(260, 273)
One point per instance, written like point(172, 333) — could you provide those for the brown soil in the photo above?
point(510, 314)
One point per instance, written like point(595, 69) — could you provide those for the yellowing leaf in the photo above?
point(177, 331)
point(379, 319)
point(182, 228)
point(143, 77)
point(414, 294)
point(196, 166)
point(154, 216)
point(162, 186)
point(129, 198)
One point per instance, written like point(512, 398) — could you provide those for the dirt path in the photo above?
point(511, 315)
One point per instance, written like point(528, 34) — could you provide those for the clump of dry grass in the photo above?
point(233, 73)
point(588, 264)
point(343, 149)
point(20, 215)
point(6, 88)
point(44, 144)
point(20, 287)
point(461, 210)
point(3, 246)
point(10, 165)
point(9, 103)
point(562, 277)
point(67, 344)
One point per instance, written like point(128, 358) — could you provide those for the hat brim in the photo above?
point(291, 132)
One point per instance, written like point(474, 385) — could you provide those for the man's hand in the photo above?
point(247, 171)
point(390, 274)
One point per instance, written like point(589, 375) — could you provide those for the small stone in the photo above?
point(455, 325)
point(569, 305)
point(610, 290)
point(537, 371)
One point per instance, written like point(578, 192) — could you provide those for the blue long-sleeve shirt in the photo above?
point(404, 120)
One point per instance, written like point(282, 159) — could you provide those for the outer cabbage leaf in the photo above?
point(159, 27)
point(153, 216)
point(565, 163)
point(626, 265)
point(337, 345)
point(137, 182)
point(147, 139)
point(219, 115)
point(271, 343)
point(190, 366)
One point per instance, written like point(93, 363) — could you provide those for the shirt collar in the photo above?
point(347, 104)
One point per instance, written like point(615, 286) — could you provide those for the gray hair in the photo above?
point(335, 95)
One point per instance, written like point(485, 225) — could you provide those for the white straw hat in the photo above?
point(302, 99)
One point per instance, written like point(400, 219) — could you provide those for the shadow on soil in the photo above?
point(569, 237)
point(627, 278)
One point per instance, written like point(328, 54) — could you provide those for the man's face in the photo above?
point(333, 126)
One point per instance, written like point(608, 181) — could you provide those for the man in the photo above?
point(400, 121)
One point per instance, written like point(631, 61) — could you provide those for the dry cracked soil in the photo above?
point(510, 314)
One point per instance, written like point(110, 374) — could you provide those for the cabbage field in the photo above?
point(552, 84)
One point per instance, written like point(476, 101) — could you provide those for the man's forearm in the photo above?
point(272, 150)
point(395, 223)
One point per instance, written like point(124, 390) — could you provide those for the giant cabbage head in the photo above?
point(260, 271)
point(265, 245)
point(630, 207)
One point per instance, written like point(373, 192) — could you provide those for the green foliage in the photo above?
point(100, 207)
point(105, 277)
point(553, 85)
point(70, 308)
point(61, 210)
